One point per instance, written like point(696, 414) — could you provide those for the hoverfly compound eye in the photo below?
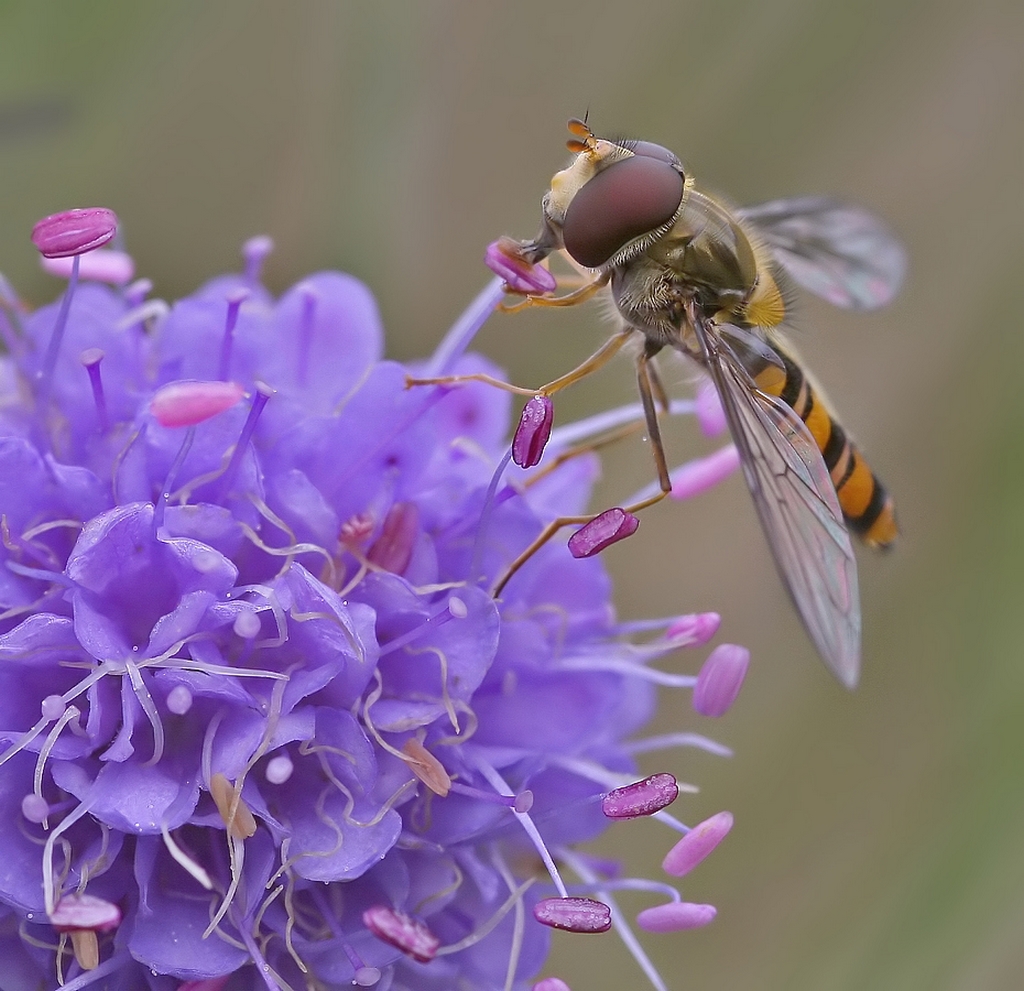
point(624, 201)
point(648, 149)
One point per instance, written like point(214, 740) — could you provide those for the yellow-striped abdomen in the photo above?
point(867, 507)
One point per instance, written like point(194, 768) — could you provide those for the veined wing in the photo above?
point(798, 507)
point(840, 252)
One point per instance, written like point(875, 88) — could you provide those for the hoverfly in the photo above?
point(689, 272)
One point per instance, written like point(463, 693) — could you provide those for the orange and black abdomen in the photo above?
point(867, 507)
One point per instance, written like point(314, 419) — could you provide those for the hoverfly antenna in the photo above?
point(583, 139)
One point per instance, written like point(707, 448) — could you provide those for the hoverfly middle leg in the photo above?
point(644, 381)
point(597, 360)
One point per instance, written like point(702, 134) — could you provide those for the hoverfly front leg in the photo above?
point(580, 295)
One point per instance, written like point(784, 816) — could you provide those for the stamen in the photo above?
point(91, 358)
point(641, 798)
point(514, 900)
point(484, 521)
point(599, 423)
point(35, 808)
point(255, 252)
point(401, 931)
point(697, 844)
point(628, 937)
point(551, 984)
point(57, 335)
point(247, 625)
point(137, 292)
point(533, 431)
point(602, 531)
point(260, 396)
point(179, 700)
point(462, 332)
point(393, 549)
point(72, 712)
point(667, 741)
point(234, 301)
point(366, 977)
point(573, 914)
point(708, 407)
point(180, 857)
point(206, 984)
point(720, 679)
point(101, 265)
point(149, 708)
point(148, 311)
point(52, 707)
point(675, 916)
point(73, 232)
point(83, 916)
point(695, 629)
point(701, 474)
point(232, 809)
point(279, 769)
point(426, 767)
point(184, 404)
point(522, 802)
point(504, 258)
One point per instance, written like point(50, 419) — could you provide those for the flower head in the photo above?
point(260, 711)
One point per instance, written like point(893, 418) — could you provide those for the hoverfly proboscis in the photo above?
point(689, 272)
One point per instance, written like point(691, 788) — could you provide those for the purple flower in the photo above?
point(261, 712)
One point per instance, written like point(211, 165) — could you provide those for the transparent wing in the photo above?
point(798, 507)
point(840, 252)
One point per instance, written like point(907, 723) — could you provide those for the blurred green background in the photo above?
point(880, 835)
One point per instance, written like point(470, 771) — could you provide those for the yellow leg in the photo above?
point(643, 377)
point(599, 358)
point(571, 299)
